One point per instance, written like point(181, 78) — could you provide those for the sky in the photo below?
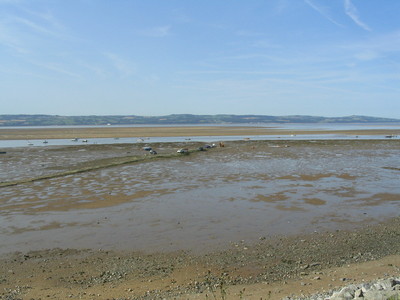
point(161, 57)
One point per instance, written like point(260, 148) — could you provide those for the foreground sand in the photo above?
point(272, 269)
point(120, 132)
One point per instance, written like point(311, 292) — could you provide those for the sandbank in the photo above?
point(178, 131)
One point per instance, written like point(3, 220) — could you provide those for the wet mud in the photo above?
point(125, 199)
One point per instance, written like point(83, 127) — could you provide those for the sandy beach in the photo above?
point(271, 269)
point(250, 220)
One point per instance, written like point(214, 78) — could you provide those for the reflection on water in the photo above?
point(205, 139)
point(244, 191)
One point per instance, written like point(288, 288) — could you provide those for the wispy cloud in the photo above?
point(10, 1)
point(180, 16)
point(367, 55)
point(33, 26)
point(94, 69)
point(352, 12)
point(160, 31)
point(376, 47)
point(42, 23)
point(123, 66)
point(10, 40)
point(23, 33)
point(55, 67)
point(322, 12)
point(281, 6)
point(247, 33)
point(47, 17)
point(265, 44)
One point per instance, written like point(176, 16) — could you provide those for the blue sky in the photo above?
point(160, 57)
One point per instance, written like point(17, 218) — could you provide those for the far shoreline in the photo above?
point(177, 131)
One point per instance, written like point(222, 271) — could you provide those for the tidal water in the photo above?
point(209, 139)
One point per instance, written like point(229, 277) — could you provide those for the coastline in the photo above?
point(179, 131)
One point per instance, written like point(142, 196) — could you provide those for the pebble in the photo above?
point(317, 278)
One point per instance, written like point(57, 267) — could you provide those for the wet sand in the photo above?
point(271, 269)
point(250, 215)
point(121, 132)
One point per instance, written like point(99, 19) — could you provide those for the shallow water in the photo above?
point(198, 202)
point(209, 139)
point(173, 139)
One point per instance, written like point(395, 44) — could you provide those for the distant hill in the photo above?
point(56, 120)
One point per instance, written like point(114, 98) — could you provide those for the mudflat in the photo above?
point(121, 132)
point(250, 220)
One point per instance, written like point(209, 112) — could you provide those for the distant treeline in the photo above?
point(56, 120)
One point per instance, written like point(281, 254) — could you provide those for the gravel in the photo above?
point(274, 259)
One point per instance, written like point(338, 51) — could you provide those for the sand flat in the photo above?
point(120, 132)
point(245, 189)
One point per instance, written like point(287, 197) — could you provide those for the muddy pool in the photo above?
point(199, 202)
